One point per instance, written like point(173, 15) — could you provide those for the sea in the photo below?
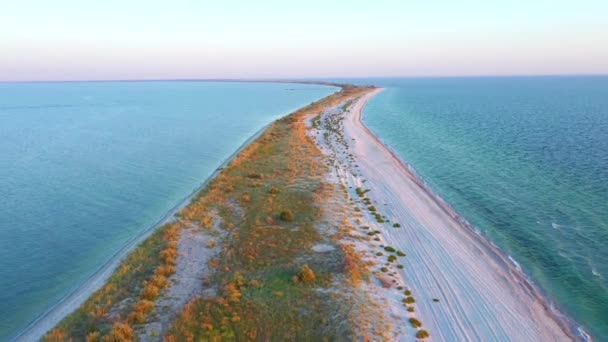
point(87, 167)
point(525, 161)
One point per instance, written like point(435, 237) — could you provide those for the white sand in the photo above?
point(482, 296)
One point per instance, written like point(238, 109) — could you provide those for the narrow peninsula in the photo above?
point(314, 231)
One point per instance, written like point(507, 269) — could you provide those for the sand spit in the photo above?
point(405, 258)
point(465, 288)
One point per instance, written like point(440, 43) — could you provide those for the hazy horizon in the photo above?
point(150, 40)
point(303, 79)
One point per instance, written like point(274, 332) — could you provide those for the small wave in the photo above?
point(583, 334)
point(595, 272)
point(515, 263)
point(555, 225)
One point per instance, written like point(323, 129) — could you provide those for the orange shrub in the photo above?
point(121, 332)
point(169, 254)
point(307, 275)
point(160, 281)
point(232, 293)
point(164, 270)
point(150, 291)
point(93, 336)
point(55, 335)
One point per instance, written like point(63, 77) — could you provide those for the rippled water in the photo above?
point(86, 167)
point(523, 159)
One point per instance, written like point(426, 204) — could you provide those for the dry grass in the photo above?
point(274, 296)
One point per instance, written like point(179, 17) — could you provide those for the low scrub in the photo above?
point(415, 322)
point(306, 275)
point(287, 216)
point(422, 334)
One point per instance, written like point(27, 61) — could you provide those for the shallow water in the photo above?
point(86, 167)
point(525, 160)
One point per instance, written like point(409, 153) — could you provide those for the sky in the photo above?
point(190, 39)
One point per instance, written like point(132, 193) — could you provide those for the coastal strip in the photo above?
point(263, 221)
point(314, 230)
point(46, 321)
point(35, 330)
point(468, 289)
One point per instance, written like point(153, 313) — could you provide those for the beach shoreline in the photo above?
point(46, 321)
point(515, 306)
point(77, 296)
point(362, 134)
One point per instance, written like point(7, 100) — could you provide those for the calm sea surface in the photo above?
point(525, 160)
point(87, 167)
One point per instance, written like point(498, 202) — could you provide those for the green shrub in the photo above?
point(361, 192)
point(422, 334)
point(287, 215)
point(409, 300)
point(396, 225)
point(389, 249)
point(415, 322)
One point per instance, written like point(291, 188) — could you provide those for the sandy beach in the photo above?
point(411, 266)
point(466, 288)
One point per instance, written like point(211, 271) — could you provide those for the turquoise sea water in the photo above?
point(525, 160)
point(87, 167)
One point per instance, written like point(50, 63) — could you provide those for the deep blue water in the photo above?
point(525, 160)
point(86, 167)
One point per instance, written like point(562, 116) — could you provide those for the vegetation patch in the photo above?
point(361, 192)
point(422, 334)
point(270, 284)
point(415, 322)
point(266, 249)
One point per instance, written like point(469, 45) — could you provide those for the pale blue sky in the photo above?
point(133, 39)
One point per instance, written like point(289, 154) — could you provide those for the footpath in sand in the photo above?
point(465, 288)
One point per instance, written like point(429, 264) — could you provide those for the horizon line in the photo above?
point(300, 79)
